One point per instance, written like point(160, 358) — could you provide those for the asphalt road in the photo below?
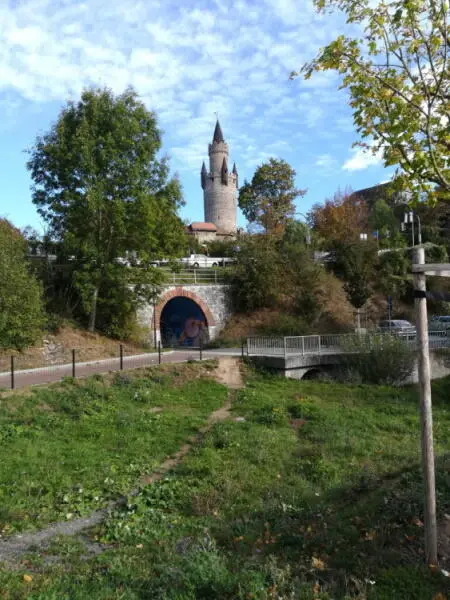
point(52, 373)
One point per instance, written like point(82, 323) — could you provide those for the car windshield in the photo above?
point(402, 323)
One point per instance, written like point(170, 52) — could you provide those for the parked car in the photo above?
point(201, 260)
point(398, 327)
point(440, 323)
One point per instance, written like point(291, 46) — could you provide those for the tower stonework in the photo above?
point(219, 186)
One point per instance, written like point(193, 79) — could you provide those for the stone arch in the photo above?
point(183, 293)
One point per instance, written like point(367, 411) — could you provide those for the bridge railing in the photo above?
point(333, 343)
point(196, 276)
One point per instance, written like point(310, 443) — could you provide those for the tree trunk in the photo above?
point(93, 315)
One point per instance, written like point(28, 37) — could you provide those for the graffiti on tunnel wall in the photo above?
point(183, 323)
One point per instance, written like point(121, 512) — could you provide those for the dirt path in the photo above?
point(228, 373)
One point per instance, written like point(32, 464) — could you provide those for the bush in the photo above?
point(382, 359)
point(21, 312)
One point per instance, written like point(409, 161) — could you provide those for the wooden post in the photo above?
point(159, 353)
point(73, 362)
point(121, 357)
point(426, 416)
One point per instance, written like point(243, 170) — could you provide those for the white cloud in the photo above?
point(326, 163)
point(362, 159)
point(187, 60)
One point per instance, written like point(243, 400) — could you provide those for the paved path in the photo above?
point(52, 373)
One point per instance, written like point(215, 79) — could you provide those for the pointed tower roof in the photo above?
point(203, 175)
point(235, 173)
point(218, 135)
point(224, 171)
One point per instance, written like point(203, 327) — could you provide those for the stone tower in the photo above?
point(219, 186)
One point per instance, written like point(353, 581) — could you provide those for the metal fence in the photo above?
point(197, 276)
point(333, 343)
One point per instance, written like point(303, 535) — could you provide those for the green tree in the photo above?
point(108, 201)
point(397, 72)
point(255, 275)
point(393, 273)
point(21, 313)
point(297, 233)
point(354, 263)
point(268, 201)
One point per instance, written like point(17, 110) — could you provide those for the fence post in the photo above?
point(12, 373)
point(303, 345)
point(242, 350)
point(174, 277)
point(159, 352)
point(195, 275)
point(285, 348)
point(215, 276)
point(121, 357)
point(320, 345)
point(201, 349)
point(73, 362)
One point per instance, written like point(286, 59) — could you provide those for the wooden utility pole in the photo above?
point(426, 416)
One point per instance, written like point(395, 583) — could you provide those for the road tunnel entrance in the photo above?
point(183, 323)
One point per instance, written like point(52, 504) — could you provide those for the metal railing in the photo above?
point(304, 345)
point(17, 371)
point(196, 276)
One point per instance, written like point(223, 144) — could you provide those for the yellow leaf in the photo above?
point(27, 578)
point(440, 596)
point(317, 563)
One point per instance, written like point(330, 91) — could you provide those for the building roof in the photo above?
point(218, 135)
point(200, 226)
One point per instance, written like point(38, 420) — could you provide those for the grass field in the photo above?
point(314, 492)
point(69, 448)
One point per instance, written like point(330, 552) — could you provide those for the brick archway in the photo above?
point(180, 292)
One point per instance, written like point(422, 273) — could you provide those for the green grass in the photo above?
point(68, 449)
point(316, 495)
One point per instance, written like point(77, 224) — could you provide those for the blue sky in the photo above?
point(187, 59)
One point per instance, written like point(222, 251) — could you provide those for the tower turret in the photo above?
point(219, 186)
point(224, 172)
point(203, 175)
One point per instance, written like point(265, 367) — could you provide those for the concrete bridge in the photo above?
point(301, 357)
point(186, 313)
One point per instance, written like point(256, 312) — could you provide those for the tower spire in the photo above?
point(224, 171)
point(218, 135)
point(236, 174)
point(203, 175)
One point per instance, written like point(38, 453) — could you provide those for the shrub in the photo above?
point(382, 359)
point(21, 313)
